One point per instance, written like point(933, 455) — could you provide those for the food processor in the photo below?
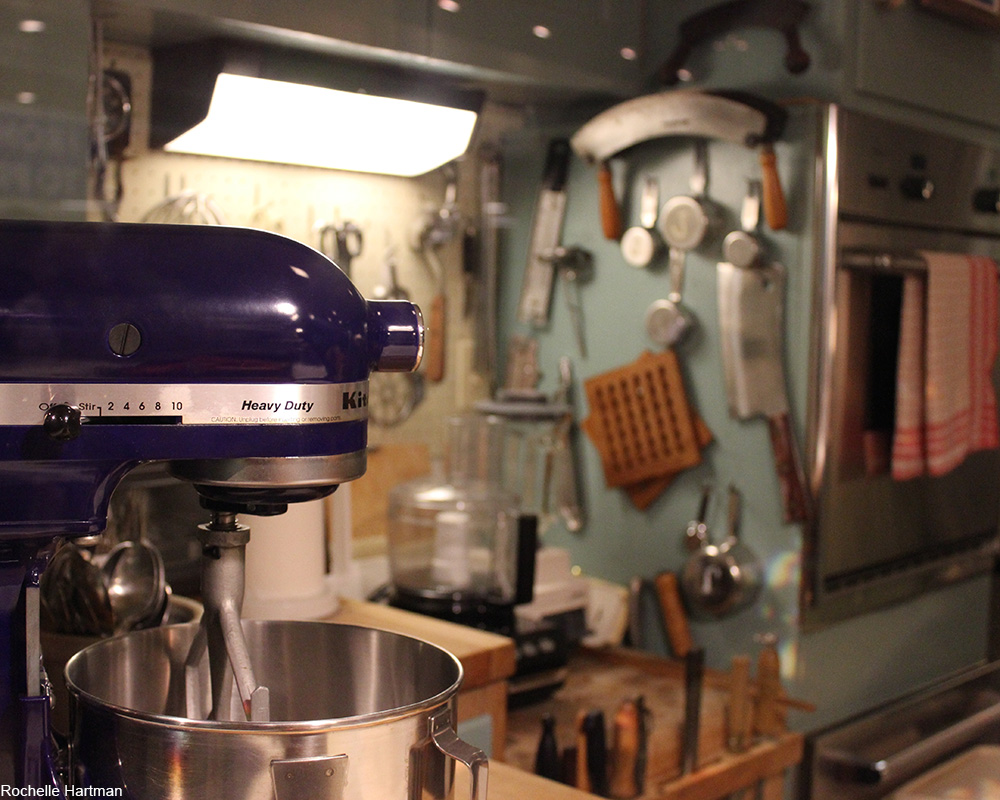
point(460, 547)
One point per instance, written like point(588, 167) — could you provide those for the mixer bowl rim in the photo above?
point(277, 726)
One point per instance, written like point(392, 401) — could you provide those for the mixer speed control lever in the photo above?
point(63, 422)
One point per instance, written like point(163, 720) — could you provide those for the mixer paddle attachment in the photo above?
point(224, 543)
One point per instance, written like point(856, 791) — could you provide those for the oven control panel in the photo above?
point(911, 176)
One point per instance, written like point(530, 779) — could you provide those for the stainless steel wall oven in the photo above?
point(885, 193)
point(908, 742)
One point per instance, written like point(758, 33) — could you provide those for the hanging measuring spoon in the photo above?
point(742, 248)
point(669, 321)
point(642, 243)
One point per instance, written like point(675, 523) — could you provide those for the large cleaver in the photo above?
point(751, 322)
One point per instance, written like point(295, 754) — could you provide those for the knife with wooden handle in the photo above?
point(623, 782)
point(694, 672)
point(751, 321)
point(546, 232)
point(597, 752)
point(582, 770)
point(740, 710)
point(674, 618)
point(769, 718)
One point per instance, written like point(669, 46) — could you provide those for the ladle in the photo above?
point(136, 579)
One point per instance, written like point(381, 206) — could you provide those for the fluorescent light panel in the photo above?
point(291, 123)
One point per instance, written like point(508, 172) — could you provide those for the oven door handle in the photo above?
point(907, 763)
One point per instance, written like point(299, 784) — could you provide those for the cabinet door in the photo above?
point(581, 53)
point(924, 60)
point(44, 48)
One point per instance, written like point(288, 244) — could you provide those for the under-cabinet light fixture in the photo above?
point(393, 127)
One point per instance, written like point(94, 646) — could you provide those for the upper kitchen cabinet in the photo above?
point(376, 28)
point(561, 50)
point(44, 49)
point(898, 58)
point(920, 59)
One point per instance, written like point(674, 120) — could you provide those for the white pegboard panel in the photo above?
point(297, 201)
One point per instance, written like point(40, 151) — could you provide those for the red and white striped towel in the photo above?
point(946, 407)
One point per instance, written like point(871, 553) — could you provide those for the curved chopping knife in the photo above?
point(751, 321)
point(738, 117)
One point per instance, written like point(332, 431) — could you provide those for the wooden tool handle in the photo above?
point(791, 478)
point(674, 618)
point(436, 339)
point(625, 751)
point(740, 717)
point(769, 717)
point(611, 218)
point(582, 776)
point(775, 207)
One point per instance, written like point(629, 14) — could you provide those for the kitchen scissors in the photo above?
point(342, 242)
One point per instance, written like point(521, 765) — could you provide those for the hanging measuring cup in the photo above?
point(685, 222)
point(742, 248)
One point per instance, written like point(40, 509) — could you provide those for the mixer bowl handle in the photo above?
point(447, 742)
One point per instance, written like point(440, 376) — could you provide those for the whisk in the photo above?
point(189, 208)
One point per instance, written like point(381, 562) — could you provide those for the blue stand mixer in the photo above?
point(239, 357)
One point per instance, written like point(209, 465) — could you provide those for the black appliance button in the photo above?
point(917, 187)
point(987, 201)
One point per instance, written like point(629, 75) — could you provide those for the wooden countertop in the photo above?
point(509, 783)
point(486, 657)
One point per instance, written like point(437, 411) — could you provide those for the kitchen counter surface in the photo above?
point(510, 783)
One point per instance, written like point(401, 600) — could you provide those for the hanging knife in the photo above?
point(546, 232)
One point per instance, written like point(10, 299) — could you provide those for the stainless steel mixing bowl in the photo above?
point(356, 713)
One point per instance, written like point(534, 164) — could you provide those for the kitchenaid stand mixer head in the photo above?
point(240, 357)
